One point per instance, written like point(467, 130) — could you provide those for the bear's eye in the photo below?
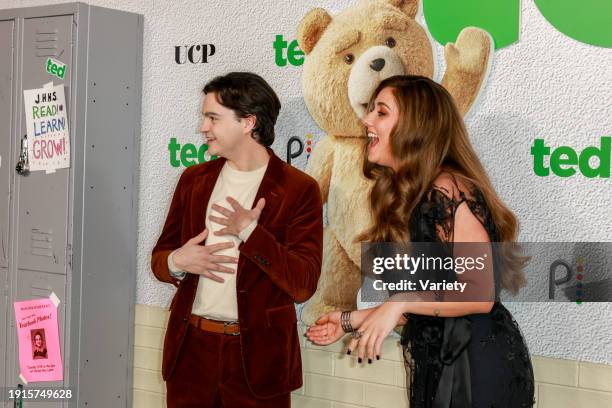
point(349, 58)
point(390, 42)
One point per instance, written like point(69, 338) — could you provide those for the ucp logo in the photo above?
point(587, 21)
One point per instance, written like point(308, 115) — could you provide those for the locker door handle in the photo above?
point(23, 166)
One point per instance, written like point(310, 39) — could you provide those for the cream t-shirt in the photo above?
point(216, 300)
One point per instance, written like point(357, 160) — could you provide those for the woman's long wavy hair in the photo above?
point(430, 137)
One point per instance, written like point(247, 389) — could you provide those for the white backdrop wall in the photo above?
point(545, 86)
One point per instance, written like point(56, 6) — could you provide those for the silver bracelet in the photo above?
point(345, 322)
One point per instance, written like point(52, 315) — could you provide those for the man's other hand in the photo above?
point(201, 260)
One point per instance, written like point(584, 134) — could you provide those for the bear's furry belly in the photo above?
point(348, 207)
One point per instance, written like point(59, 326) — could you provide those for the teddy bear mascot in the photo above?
point(347, 56)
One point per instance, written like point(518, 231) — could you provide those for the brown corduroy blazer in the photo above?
point(278, 266)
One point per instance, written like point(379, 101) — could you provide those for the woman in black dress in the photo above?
point(429, 186)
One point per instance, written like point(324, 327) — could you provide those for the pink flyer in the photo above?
point(39, 345)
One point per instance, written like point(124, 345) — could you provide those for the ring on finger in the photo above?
point(357, 334)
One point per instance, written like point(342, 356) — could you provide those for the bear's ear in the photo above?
point(311, 28)
point(408, 7)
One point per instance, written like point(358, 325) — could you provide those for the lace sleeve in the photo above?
point(456, 220)
point(461, 219)
point(439, 208)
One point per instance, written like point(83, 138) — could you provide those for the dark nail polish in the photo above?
point(359, 360)
point(348, 352)
point(369, 361)
point(378, 357)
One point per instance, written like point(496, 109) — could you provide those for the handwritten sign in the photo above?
point(39, 344)
point(47, 126)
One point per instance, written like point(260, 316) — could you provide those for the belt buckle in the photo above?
point(225, 324)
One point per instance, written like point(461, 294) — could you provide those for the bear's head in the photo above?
point(348, 55)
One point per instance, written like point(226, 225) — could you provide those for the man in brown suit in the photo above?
point(242, 242)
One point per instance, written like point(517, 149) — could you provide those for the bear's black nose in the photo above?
point(377, 64)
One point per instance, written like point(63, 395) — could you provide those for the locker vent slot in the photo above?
point(46, 42)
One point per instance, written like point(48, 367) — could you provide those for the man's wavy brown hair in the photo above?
point(429, 138)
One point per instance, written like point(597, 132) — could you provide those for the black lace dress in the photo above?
point(478, 360)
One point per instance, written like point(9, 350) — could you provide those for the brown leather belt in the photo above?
point(215, 326)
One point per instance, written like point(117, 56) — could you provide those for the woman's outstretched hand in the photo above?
point(326, 330)
point(375, 328)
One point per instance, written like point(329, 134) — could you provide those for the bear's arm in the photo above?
point(320, 164)
point(467, 63)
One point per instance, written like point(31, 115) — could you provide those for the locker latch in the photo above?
point(23, 167)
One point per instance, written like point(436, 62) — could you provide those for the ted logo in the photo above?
point(565, 161)
point(294, 55)
point(587, 21)
point(55, 67)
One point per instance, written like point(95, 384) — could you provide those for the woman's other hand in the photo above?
point(326, 330)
